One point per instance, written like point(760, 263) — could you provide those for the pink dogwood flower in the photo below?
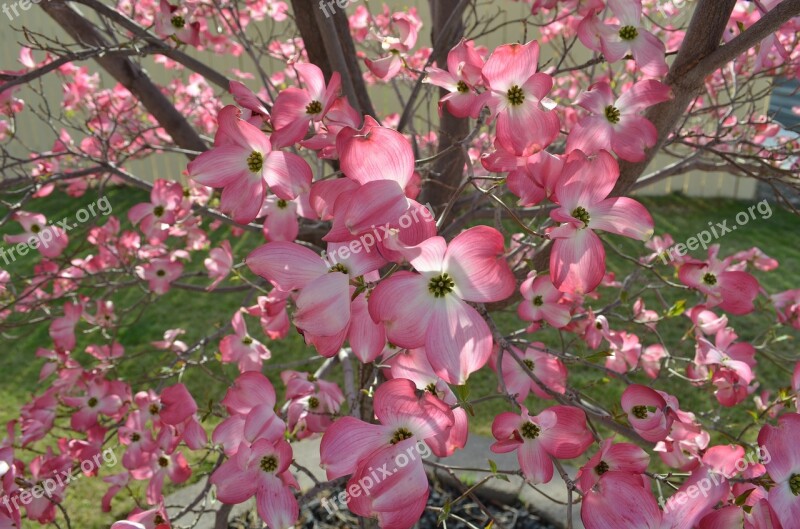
point(615, 41)
point(462, 76)
point(219, 264)
point(730, 290)
point(244, 165)
point(545, 366)
point(620, 457)
point(430, 308)
point(156, 217)
point(296, 107)
point(615, 125)
point(242, 348)
point(517, 96)
point(49, 240)
point(648, 412)
point(351, 446)
point(261, 470)
point(542, 301)
point(173, 22)
point(577, 261)
point(559, 432)
point(160, 273)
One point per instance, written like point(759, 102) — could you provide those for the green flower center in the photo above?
point(582, 215)
point(255, 162)
point(529, 363)
point(178, 22)
point(710, 279)
point(161, 273)
point(462, 87)
point(36, 228)
point(247, 340)
point(613, 114)
point(441, 285)
point(269, 463)
point(163, 461)
point(640, 412)
point(516, 96)
point(135, 437)
point(401, 435)
point(158, 519)
point(282, 203)
point(158, 211)
point(431, 388)
point(154, 409)
point(92, 402)
point(313, 403)
point(794, 484)
point(628, 32)
point(538, 301)
point(338, 267)
point(529, 430)
point(315, 107)
point(601, 468)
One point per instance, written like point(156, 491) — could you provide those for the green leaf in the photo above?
point(493, 466)
point(677, 309)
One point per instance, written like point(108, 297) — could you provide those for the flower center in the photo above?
point(628, 32)
point(315, 107)
point(794, 484)
point(529, 430)
point(462, 87)
point(154, 409)
point(612, 114)
point(282, 203)
point(401, 435)
point(158, 519)
point(255, 162)
point(178, 22)
point(247, 340)
point(163, 461)
point(601, 468)
point(161, 273)
point(582, 215)
point(529, 363)
point(338, 267)
point(36, 228)
point(92, 402)
point(269, 463)
point(431, 388)
point(441, 285)
point(516, 96)
point(640, 412)
point(710, 279)
point(538, 301)
point(158, 211)
point(135, 437)
point(313, 403)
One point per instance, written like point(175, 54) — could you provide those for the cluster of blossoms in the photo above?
point(406, 297)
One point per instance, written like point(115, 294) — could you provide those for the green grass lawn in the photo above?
point(202, 314)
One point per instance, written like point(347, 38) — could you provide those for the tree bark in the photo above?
point(330, 46)
point(448, 171)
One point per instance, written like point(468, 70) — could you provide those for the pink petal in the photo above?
point(323, 306)
point(535, 462)
point(632, 135)
point(286, 265)
point(347, 441)
point(458, 340)
point(476, 262)
point(276, 503)
point(379, 154)
point(623, 216)
point(578, 264)
point(287, 174)
point(650, 54)
point(511, 64)
point(404, 305)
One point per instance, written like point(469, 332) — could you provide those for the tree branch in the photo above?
point(129, 75)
